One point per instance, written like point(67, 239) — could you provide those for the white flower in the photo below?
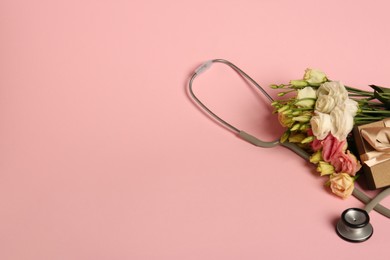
point(334, 89)
point(342, 123)
point(314, 76)
point(333, 100)
point(350, 106)
point(306, 97)
point(321, 125)
point(325, 104)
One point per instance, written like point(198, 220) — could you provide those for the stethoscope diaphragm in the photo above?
point(354, 225)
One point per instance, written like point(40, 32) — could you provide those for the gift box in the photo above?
point(373, 145)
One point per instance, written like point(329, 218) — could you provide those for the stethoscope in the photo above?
point(354, 224)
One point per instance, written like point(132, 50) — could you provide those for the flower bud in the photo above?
point(308, 139)
point(316, 157)
point(285, 136)
point(296, 113)
point(304, 127)
point(306, 97)
point(306, 102)
point(283, 108)
point(287, 112)
point(295, 127)
point(325, 168)
point(302, 119)
point(314, 77)
point(298, 83)
point(296, 138)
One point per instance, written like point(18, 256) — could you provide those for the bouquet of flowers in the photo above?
point(319, 115)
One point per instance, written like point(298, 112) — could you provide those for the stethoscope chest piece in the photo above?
point(354, 225)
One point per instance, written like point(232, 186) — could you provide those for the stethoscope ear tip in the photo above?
point(354, 225)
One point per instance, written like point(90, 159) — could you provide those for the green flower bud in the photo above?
point(283, 108)
point(316, 157)
point(296, 113)
point(314, 77)
point(296, 138)
point(302, 119)
point(295, 127)
point(287, 112)
point(285, 136)
point(304, 127)
point(308, 139)
point(299, 83)
point(281, 94)
point(325, 168)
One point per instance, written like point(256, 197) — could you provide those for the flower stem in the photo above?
point(376, 118)
point(375, 111)
point(357, 90)
point(361, 95)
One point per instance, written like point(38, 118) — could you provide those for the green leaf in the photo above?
point(378, 94)
point(380, 89)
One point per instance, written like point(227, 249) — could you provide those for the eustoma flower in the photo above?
point(333, 101)
point(341, 184)
point(306, 97)
point(342, 123)
point(314, 77)
point(321, 125)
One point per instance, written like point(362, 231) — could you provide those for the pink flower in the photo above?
point(334, 152)
point(345, 162)
point(316, 144)
point(332, 147)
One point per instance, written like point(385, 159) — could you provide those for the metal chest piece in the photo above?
point(354, 225)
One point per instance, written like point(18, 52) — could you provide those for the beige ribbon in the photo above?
point(379, 139)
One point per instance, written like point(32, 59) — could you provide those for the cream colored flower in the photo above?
point(342, 185)
point(350, 106)
point(321, 125)
point(325, 104)
point(334, 89)
point(342, 123)
point(314, 76)
point(306, 97)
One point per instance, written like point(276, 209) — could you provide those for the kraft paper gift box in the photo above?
point(376, 171)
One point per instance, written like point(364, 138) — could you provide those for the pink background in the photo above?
point(104, 156)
